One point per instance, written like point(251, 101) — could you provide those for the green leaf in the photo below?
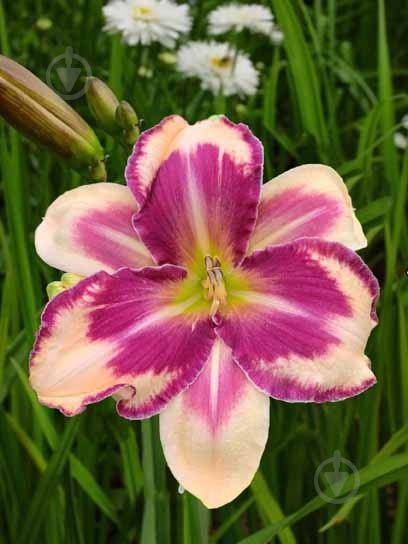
point(269, 506)
point(394, 443)
point(195, 520)
point(303, 71)
point(374, 210)
point(371, 477)
point(37, 511)
point(92, 488)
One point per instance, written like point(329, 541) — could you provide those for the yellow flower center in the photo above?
point(214, 283)
point(221, 62)
point(141, 12)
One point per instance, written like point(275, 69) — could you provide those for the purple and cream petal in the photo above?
point(121, 334)
point(299, 332)
point(149, 152)
point(205, 194)
point(214, 433)
point(89, 229)
point(307, 201)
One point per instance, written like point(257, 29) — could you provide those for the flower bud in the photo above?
point(67, 281)
point(167, 57)
point(126, 116)
point(277, 36)
point(102, 104)
point(130, 136)
point(128, 120)
point(98, 171)
point(241, 110)
point(54, 288)
point(43, 24)
point(42, 116)
point(145, 72)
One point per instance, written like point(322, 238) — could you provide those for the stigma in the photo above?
point(214, 282)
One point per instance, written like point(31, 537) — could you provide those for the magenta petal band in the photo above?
point(119, 331)
point(89, 229)
point(205, 195)
point(149, 152)
point(300, 332)
point(308, 201)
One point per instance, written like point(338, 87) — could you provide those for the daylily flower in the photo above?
point(205, 296)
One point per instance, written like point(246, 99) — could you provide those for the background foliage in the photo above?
point(333, 93)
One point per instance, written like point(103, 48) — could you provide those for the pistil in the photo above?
point(214, 282)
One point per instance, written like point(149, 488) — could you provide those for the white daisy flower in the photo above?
point(219, 67)
point(400, 140)
point(404, 121)
point(277, 36)
point(238, 17)
point(147, 21)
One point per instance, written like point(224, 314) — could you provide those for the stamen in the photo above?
point(214, 283)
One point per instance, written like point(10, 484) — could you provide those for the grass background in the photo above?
point(333, 93)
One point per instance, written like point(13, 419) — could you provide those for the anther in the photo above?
point(214, 283)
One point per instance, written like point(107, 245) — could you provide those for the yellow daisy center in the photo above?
point(141, 12)
point(221, 62)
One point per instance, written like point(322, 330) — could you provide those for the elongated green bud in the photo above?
point(130, 135)
point(127, 119)
point(42, 116)
point(102, 104)
point(97, 171)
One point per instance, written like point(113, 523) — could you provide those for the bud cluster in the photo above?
point(110, 114)
point(36, 111)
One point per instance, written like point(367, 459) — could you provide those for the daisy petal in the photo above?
point(219, 66)
point(90, 229)
point(149, 152)
point(123, 334)
point(300, 330)
point(307, 201)
point(214, 433)
point(205, 195)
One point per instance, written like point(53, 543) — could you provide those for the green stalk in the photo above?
point(149, 532)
